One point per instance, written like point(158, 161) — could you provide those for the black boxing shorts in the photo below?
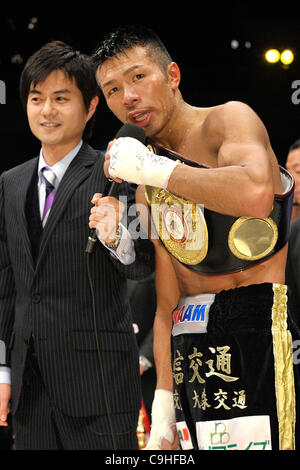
point(235, 381)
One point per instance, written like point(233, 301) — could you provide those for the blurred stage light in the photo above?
point(32, 23)
point(16, 59)
point(287, 57)
point(272, 56)
point(234, 44)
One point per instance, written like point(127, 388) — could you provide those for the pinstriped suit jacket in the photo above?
point(51, 300)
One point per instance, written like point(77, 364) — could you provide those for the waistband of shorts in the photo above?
point(235, 309)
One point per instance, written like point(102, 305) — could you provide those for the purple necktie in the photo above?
point(50, 190)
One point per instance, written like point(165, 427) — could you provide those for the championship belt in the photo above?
point(211, 243)
point(180, 224)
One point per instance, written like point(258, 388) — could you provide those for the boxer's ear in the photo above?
point(174, 75)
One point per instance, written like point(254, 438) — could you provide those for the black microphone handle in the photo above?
point(113, 189)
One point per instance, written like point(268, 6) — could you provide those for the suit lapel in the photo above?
point(22, 190)
point(77, 172)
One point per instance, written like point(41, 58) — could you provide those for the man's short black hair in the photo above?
point(127, 37)
point(56, 55)
point(295, 145)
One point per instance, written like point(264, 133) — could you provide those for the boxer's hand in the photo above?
point(107, 163)
point(5, 393)
point(132, 161)
point(105, 216)
point(163, 434)
point(174, 445)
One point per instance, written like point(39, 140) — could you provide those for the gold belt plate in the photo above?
point(180, 224)
point(252, 238)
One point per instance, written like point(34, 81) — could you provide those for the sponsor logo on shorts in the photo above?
point(184, 435)
point(246, 433)
point(190, 313)
point(190, 318)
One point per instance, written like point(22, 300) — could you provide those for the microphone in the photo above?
point(127, 130)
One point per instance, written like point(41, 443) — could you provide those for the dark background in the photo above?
point(198, 36)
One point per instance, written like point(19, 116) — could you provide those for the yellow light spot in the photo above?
point(287, 57)
point(272, 56)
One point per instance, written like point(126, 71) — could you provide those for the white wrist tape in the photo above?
point(162, 417)
point(132, 161)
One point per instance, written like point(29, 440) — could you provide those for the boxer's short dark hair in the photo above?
point(124, 38)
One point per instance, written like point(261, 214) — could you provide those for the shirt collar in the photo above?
point(61, 166)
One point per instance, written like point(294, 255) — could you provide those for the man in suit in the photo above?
point(293, 257)
point(69, 361)
point(293, 166)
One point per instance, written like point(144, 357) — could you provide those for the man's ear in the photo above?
point(174, 75)
point(93, 105)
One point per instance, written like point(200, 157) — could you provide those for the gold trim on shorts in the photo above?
point(284, 373)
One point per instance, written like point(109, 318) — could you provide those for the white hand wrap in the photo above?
point(132, 161)
point(163, 416)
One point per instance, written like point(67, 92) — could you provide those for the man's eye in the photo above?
point(112, 91)
point(138, 76)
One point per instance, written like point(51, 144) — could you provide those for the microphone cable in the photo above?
point(99, 355)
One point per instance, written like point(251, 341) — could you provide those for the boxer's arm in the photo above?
point(241, 183)
point(167, 292)
point(163, 431)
